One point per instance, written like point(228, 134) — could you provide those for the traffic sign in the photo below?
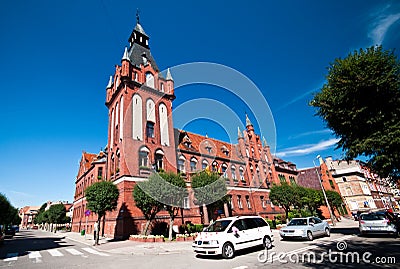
point(87, 212)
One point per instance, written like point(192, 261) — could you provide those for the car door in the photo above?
point(253, 232)
point(238, 235)
point(319, 226)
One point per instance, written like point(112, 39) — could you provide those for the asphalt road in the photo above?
point(343, 249)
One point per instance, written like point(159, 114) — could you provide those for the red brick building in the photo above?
point(142, 139)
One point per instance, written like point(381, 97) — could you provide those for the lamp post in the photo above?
point(323, 191)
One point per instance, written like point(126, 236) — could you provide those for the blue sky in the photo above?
point(56, 58)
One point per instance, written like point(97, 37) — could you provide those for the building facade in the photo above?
point(361, 189)
point(142, 139)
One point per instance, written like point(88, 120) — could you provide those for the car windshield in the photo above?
point(372, 217)
point(218, 226)
point(297, 222)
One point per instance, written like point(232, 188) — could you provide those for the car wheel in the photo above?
point(327, 232)
point(310, 236)
point(227, 251)
point(267, 243)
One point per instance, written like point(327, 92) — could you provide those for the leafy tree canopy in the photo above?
point(209, 187)
point(56, 214)
point(360, 102)
point(101, 196)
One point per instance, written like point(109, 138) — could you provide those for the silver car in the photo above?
point(306, 228)
point(378, 222)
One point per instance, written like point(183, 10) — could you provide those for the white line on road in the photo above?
point(55, 252)
point(34, 254)
point(90, 250)
point(241, 267)
point(73, 251)
point(11, 257)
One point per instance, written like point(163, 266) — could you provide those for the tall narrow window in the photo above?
point(181, 164)
point(223, 170)
point(137, 127)
point(159, 157)
point(149, 79)
point(263, 202)
point(100, 173)
point(150, 129)
point(239, 200)
point(193, 164)
point(241, 172)
point(233, 172)
point(248, 202)
point(164, 128)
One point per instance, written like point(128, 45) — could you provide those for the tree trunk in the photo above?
point(146, 227)
point(171, 226)
point(98, 230)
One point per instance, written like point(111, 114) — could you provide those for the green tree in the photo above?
point(5, 208)
point(209, 189)
point(41, 217)
point(173, 192)
point(334, 199)
point(313, 199)
point(283, 195)
point(360, 102)
point(101, 197)
point(145, 202)
point(57, 214)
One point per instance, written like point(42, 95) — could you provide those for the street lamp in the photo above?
point(323, 191)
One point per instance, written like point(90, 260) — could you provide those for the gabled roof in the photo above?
point(198, 145)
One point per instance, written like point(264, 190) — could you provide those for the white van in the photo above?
point(227, 235)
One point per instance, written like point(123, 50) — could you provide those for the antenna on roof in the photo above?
point(137, 16)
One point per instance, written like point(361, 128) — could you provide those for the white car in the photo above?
point(227, 235)
point(307, 228)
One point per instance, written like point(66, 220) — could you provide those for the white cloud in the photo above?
point(307, 149)
point(324, 131)
point(377, 34)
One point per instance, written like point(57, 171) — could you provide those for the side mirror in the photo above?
point(312, 224)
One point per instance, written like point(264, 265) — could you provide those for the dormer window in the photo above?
point(186, 141)
point(225, 150)
point(149, 79)
point(208, 147)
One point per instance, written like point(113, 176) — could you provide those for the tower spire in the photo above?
point(248, 122)
point(239, 133)
point(168, 76)
point(265, 142)
point(137, 16)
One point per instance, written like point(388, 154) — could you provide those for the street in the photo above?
point(344, 248)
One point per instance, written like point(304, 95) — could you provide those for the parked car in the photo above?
point(16, 228)
point(1, 238)
point(306, 228)
point(378, 222)
point(226, 236)
point(9, 231)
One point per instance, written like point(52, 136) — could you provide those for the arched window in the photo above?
point(193, 165)
point(241, 173)
point(164, 128)
point(144, 157)
point(149, 79)
point(150, 110)
point(181, 164)
point(137, 131)
point(162, 87)
point(204, 164)
point(214, 166)
point(233, 172)
point(159, 157)
point(112, 129)
point(224, 167)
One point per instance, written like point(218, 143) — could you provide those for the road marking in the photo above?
point(241, 267)
point(34, 254)
point(11, 257)
point(93, 251)
point(73, 251)
point(55, 252)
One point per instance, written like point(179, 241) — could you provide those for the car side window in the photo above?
point(250, 223)
point(311, 220)
point(238, 224)
point(260, 222)
point(317, 220)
